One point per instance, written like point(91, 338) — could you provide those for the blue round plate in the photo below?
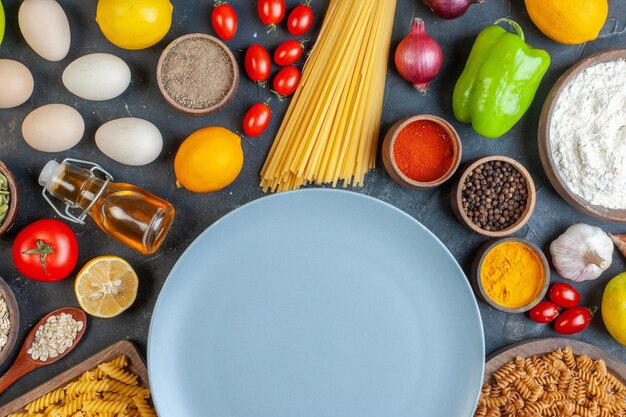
point(316, 303)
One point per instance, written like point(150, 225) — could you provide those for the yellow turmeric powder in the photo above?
point(512, 274)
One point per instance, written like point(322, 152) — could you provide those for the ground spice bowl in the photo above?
point(457, 197)
point(477, 282)
point(232, 88)
point(388, 153)
point(14, 202)
point(14, 318)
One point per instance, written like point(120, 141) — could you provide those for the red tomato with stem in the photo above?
point(300, 20)
point(46, 250)
point(286, 81)
point(258, 63)
point(574, 320)
point(544, 312)
point(288, 53)
point(271, 12)
point(564, 295)
point(224, 19)
point(257, 119)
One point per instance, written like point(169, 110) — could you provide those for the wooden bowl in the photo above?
point(14, 318)
point(14, 202)
point(390, 162)
point(457, 202)
point(232, 91)
point(477, 282)
point(545, 149)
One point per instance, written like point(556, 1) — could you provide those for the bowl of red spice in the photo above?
point(422, 152)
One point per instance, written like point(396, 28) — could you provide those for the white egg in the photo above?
point(97, 77)
point(53, 128)
point(130, 141)
point(16, 83)
point(45, 28)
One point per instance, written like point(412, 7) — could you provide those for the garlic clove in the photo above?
point(620, 242)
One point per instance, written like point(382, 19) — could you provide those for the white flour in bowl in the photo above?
point(588, 135)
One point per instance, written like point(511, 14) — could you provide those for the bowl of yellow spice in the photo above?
point(511, 274)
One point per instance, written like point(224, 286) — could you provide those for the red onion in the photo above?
point(450, 9)
point(419, 57)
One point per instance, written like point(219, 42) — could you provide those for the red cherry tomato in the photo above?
point(564, 295)
point(300, 20)
point(288, 53)
point(258, 63)
point(544, 312)
point(224, 19)
point(257, 119)
point(271, 12)
point(46, 250)
point(574, 320)
point(286, 81)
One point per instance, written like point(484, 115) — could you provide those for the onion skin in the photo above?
point(418, 57)
point(450, 9)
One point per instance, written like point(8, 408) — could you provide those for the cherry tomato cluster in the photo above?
point(258, 63)
point(573, 319)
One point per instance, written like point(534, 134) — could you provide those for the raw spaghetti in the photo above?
point(330, 132)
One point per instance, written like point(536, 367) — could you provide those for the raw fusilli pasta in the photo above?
point(110, 390)
point(558, 384)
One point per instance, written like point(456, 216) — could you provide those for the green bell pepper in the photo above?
point(499, 81)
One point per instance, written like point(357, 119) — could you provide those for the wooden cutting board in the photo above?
point(124, 347)
point(542, 346)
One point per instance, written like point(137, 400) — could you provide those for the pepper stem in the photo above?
point(516, 27)
point(593, 257)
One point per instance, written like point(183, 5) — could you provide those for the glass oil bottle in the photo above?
point(127, 213)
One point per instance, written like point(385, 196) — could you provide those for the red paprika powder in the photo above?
point(423, 151)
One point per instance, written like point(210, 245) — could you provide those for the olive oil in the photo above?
point(127, 213)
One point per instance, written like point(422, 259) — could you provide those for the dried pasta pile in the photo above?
point(330, 132)
point(109, 390)
point(557, 384)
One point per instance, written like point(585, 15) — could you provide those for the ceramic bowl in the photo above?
point(477, 282)
point(232, 91)
point(457, 197)
point(14, 202)
point(545, 149)
point(393, 169)
point(14, 318)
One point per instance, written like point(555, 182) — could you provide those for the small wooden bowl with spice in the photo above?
point(510, 274)
point(422, 152)
point(9, 317)
point(197, 74)
point(9, 198)
point(494, 196)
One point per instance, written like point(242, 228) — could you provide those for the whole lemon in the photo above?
point(569, 21)
point(209, 160)
point(614, 308)
point(134, 24)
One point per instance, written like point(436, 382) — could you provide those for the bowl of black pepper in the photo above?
point(494, 196)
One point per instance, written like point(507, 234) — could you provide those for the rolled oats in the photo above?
point(5, 323)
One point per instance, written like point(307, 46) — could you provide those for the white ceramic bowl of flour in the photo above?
point(582, 135)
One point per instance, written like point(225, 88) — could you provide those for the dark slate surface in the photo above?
point(197, 212)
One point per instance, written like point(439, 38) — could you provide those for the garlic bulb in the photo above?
point(582, 253)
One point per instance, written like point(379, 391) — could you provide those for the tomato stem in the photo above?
point(592, 311)
point(43, 249)
point(278, 95)
point(272, 28)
